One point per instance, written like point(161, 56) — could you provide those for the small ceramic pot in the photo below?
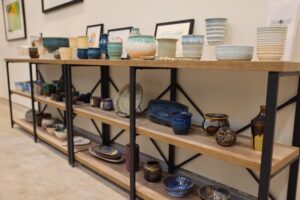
point(83, 42)
point(181, 122)
point(73, 42)
point(192, 39)
point(61, 133)
point(152, 171)
point(213, 121)
point(103, 46)
point(51, 128)
point(115, 50)
point(107, 104)
point(33, 52)
point(82, 53)
point(56, 55)
point(47, 121)
point(48, 89)
point(85, 98)
point(19, 86)
point(226, 137)
point(66, 53)
point(167, 47)
point(93, 53)
point(127, 157)
point(141, 45)
point(95, 102)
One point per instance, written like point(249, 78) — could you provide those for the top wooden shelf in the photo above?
point(180, 64)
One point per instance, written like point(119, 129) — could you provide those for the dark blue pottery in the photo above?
point(159, 111)
point(52, 43)
point(85, 98)
point(181, 122)
point(178, 186)
point(93, 53)
point(103, 46)
point(82, 53)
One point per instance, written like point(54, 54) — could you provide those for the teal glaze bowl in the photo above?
point(54, 43)
point(115, 50)
point(141, 45)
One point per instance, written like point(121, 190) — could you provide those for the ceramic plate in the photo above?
point(79, 141)
point(122, 101)
point(106, 151)
point(119, 160)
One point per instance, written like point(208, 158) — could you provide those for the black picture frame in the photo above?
point(24, 36)
point(190, 21)
point(129, 28)
point(44, 10)
point(93, 26)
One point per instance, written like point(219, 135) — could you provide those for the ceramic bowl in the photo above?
point(115, 50)
point(52, 127)
point(93, 53)
point(52, 44)
point(192, 39)
point(141, 45)
point(61, 133)
point(82, 53)
point(48, 121)
point(66, 53)
point(178, 186)
point(212, 192)
point(234, 52)
point(214, 121)
point(181, 122)
point(33, 52)
point(166, 47)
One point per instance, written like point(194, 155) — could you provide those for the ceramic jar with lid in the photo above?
point(152, 171)
point(213, 121)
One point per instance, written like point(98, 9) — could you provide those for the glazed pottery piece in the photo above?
point(73, 42)
point(66, 53)
point(103, 46)
point(127, 157)
point(93, 53)
point(82, 53)
point(79, 141)
point(212, 192)
point(226, 137)
point(257, 129)
point(33, 52)
point(215, 30)
point(59, 85)
point(107, 151)
point(107, 104)
point(115, 50)
point(52, 44)
point(160, 111)
point(166, 47)
point(48, 89)
point(181, 122)
point(83, 42)
point(38, 117)
point(140, 45)
point(51, 128)
point(48, 121)
point(178, 186)
point(95, 101)
point(38, 87)
point(122, 101)
point(213, 121)
point(192, 46)
point(152, 171)
point(85, 98)
point(19, 86)
point(116, 160)
point(234, 52)
point(61, 133)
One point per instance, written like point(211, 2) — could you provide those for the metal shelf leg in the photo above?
point(32, 103)
point(9, 96)
point(105, 94)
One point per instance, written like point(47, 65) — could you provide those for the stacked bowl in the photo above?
point(271, 42)
point(192, 46)
point(234, 52)
point(215, 30)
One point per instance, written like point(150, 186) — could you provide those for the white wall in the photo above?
point(238, 94)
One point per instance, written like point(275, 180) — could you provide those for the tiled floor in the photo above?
point(30, 171)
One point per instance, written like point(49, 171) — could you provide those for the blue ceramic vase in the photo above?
point(103, 46)
point(181, 122)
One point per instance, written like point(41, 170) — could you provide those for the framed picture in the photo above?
point(175, 29)
point(94, 32)
point(14, 19)
point(120, 35)
point(50, 5)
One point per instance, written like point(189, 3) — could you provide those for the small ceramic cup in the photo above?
point(95, 101)
point(82, 53)
point(66, 53)
point(166, 47)
point(83, 42)
point(214, 121)
point(152, 171)
point(33, 52)
point(107, 104)
point(73, 42)
point(181, 122)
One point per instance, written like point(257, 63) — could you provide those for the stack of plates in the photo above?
point(192, 46)
point(106, 153)
point(271, 42)
point(79, 141)
point(234, 52)
point(215, 30)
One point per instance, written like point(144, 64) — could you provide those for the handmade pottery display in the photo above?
point(258, 128)
point(226, 137)
point(95, 101)
point(178, 186)
point(181, 122)
point(51, 128)
point(79, 141)
point(19, 86)
point(107, 104)
point(103, 46)
point(215, 30)
point(61, 133)
point(52, 44)
point(152, 171)
point(212, 192)
point(213, 121)
point(140, 45)
point(192, 46)
point(127, 157)
point(47, 121)
point(93, 53)
point(122, 101)
point(160, 111)
point(115, 50)
point(166, 47)
point(66, 53)
point(234, 52)
point(106, 153)
point(82, 53)
point(271, 42)
point(33, 52)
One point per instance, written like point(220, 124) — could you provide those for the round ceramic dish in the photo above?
point(234, 52)
point(118, 160)
point(177, 186)
point(212, 192)
point(79, 141)
point(107, 151)
point(122, 100)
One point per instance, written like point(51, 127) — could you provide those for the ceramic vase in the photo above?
point(226, 137)
point(127, 157)
point(103, 46)
point(257, 129)
point(213, 121)
point(152, 171)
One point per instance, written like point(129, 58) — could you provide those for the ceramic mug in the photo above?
point(66, 53)
point(107, 104)
point(95, 101)
point(181, 122)
point(214, 121)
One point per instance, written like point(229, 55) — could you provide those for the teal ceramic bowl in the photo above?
point(54, 43)
point(115, 50)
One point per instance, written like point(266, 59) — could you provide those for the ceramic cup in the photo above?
point(115, 50)
point(83, 42)
point(73, 42)
point(166, 47)
point(66, 53)
point(33, 52)
point(107, 104)
point(213, 121)
point(152, 171)
point(82, 53)
point(181, 122)
point(95, 101)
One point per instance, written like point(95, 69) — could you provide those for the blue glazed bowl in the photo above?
point(181, 122)
point(177, 186)
point(82, 53)
point(93, 53)
point(54, 43)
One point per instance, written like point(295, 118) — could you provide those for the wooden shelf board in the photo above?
point(279, 66)
point(118, 174)
point(49, 139)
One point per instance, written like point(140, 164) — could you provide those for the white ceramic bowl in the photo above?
point(234, 52)
point(61, 133)
point(48, 121)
